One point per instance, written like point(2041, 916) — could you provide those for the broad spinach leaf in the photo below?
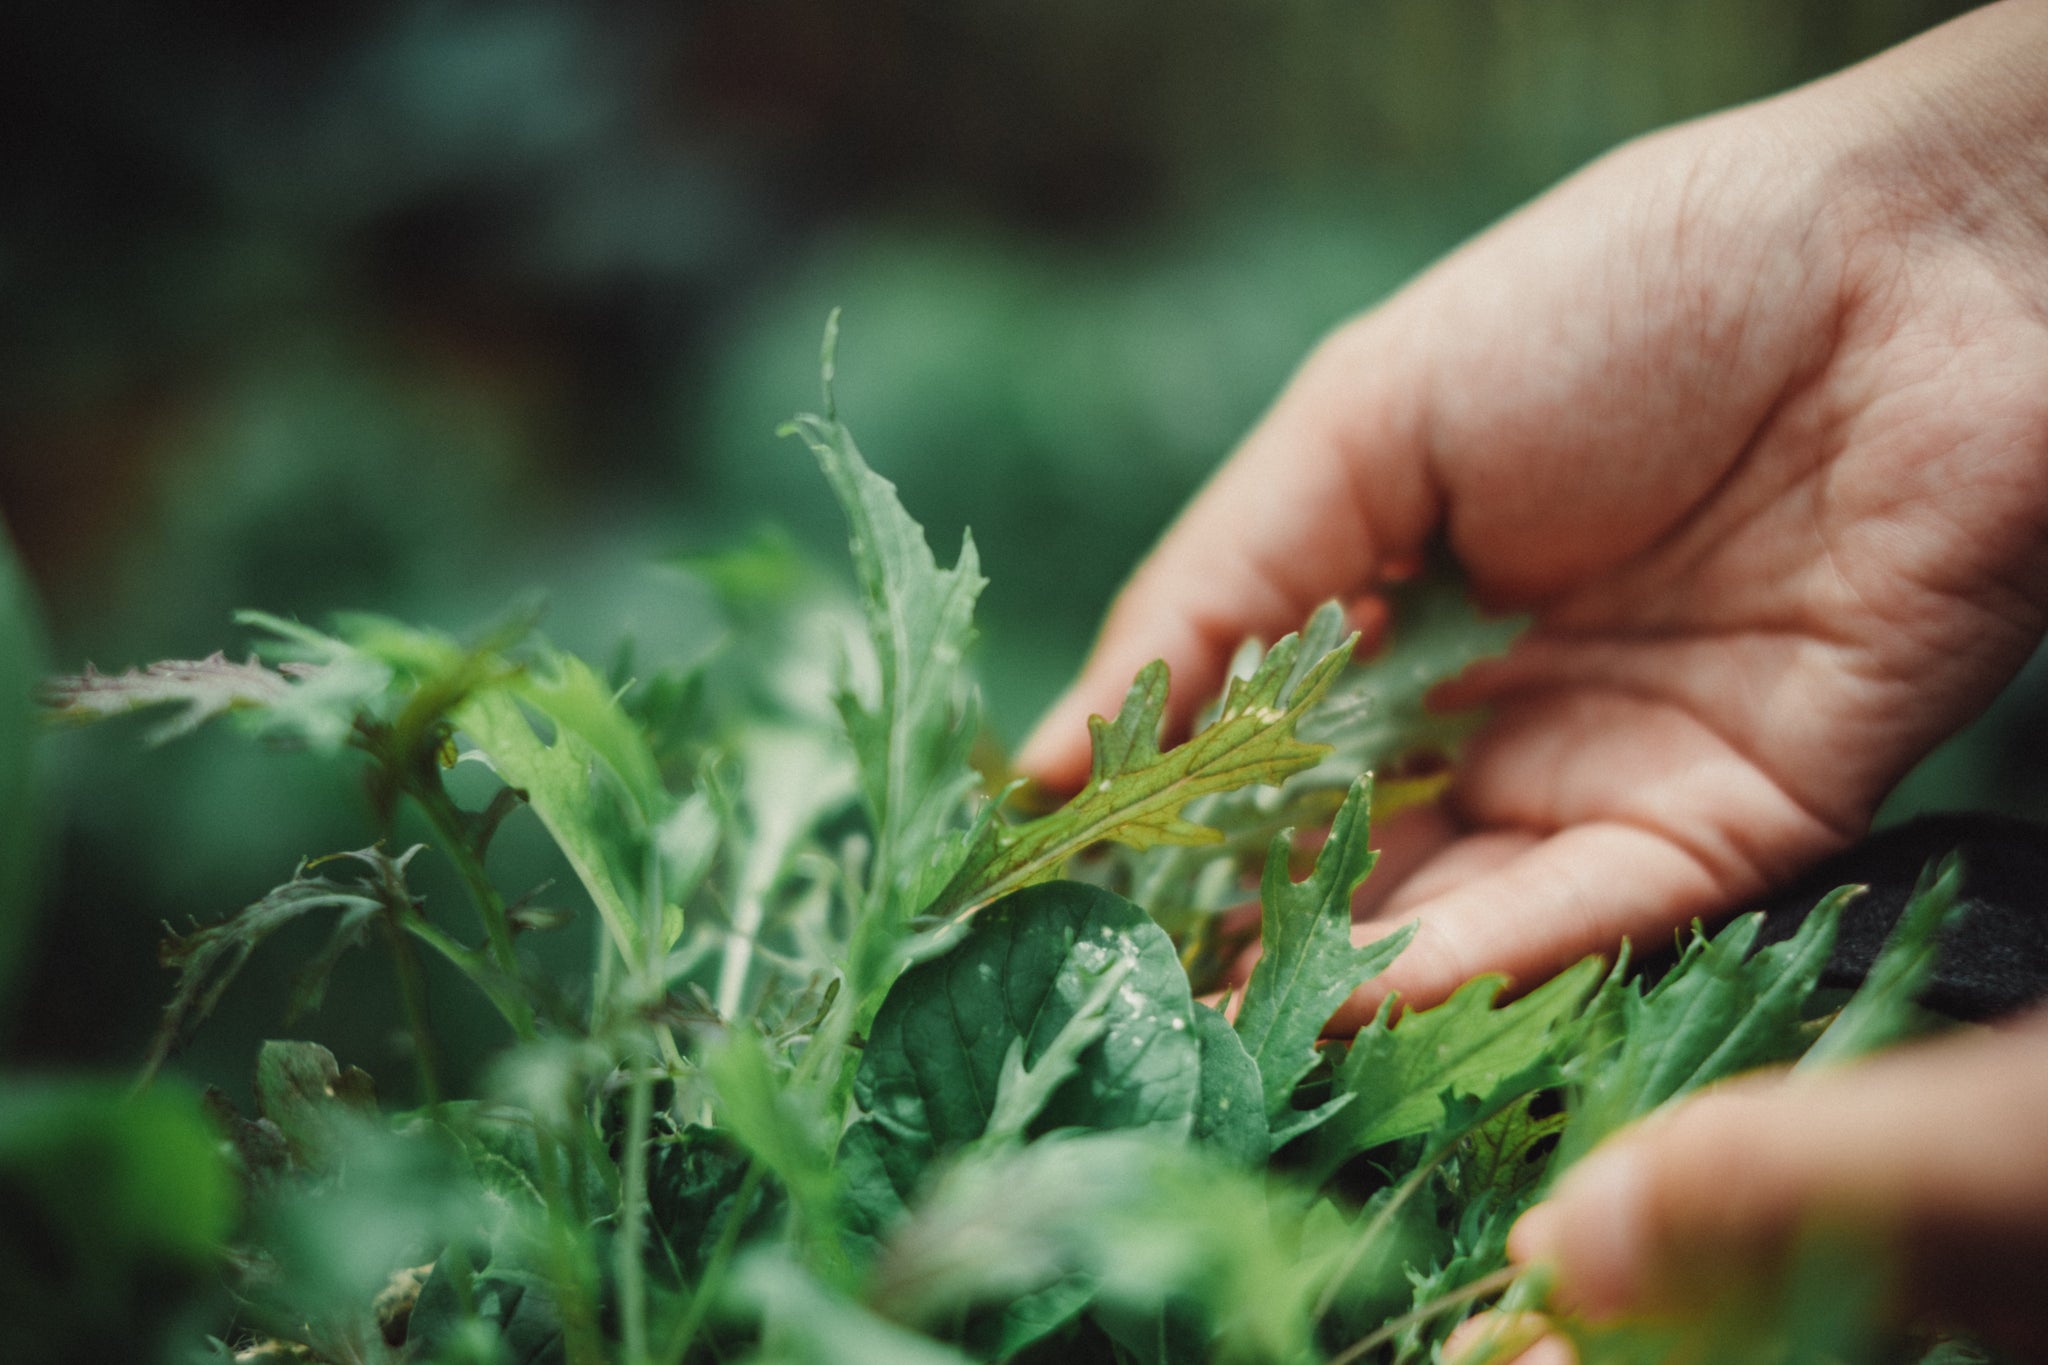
point(1230, 1116)
point(935, 1060)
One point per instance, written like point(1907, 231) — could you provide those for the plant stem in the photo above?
point(1443, 1303)
point(447, 822)
point(630, 1247)
point(1401, 1195)
point(412, 989)
point(480, 974)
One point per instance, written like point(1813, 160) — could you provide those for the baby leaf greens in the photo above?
point(861, 1068)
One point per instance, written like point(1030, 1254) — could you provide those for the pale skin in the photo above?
point(1751, 415)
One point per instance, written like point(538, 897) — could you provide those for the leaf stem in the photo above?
point(447, 822)
point(630, 1247)
point(1480, 1288)
point(1401, 1195)
point(412, 990)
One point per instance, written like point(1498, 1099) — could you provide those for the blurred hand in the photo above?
point(1752, 415)
point(1935, 1152)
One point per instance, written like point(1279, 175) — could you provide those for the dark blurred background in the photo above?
point(414, 306)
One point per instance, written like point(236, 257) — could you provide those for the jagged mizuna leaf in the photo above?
point(913, 721)
point(208, 959)
point(1135, 792)
point(1308, 966)
point(203, 688)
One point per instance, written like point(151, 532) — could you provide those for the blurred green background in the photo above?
point(416, 306)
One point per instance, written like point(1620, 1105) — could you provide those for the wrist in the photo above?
point(1947, 135)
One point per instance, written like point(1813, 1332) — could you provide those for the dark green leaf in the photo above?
point(693, 1188)
point(935, 1060)
point(304, 1091)
point(1882, 1010)
point(208, 959)
point(1230, 1114)
point(1721, 1010)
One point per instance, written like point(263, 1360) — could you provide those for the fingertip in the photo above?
point(1594, 1233)
point(1533, 1239)
point(1055, 754)
point(1507, 1338)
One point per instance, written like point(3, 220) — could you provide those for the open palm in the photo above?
point(1760, 440)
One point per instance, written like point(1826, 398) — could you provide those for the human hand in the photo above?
point(1752, 416)
point(1932, 1155)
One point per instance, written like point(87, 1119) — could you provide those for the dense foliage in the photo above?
point(866, 1067)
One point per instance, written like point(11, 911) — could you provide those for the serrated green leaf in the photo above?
point(594, 784)
point(1721, 1010)
point(912, 721)
point(208, 959)
point(1308, 966)
point(1503, 1158)
point(1376, 714)
point(201, 688)
point(1408, 1073)
point(1136, 793)
point(1882, 1010)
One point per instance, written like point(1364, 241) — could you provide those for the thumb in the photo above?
point(1326, 492)
point(1933, 1155)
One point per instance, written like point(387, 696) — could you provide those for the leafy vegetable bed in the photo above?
point(866, 1069)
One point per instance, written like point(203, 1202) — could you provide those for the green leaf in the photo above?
point(315, 698)
point(694, 1183)
point(20, 826)
point(1308, 967)
point(208, 959)
point(1721, 1010)
point(911, 715)
point(1406, 1074)
point(201, 688)
point(1132, 1219)
point(1230, 1115)
point(943, 1040)
point(302, 1089)
point(1882, 1010)
point(1504, 1157)
point(804, 1323)
point(766, 1115)
point(1376, 713)
point(1136, 793)
point(593, 785)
